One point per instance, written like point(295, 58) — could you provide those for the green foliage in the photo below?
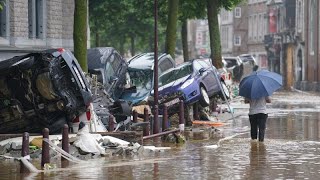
point(190, 9)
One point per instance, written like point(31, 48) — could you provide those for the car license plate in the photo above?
point(172, 102)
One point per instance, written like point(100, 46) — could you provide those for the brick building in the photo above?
point(31, 25)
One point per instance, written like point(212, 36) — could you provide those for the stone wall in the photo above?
point(57, 27)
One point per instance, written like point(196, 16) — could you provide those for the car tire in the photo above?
point(204, 99)
point(57, 125)
point(224, 90)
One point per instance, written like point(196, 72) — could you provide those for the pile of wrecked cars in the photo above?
point(48, 90)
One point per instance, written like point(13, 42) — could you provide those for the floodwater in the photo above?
point(291, 151)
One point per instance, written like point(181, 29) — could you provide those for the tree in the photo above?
point(80, 33)
point(189, 9)
point(171, 32)
point(213, 8)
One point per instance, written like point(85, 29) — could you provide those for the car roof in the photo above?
point(247, 56)
point(143, 61)
point(96, 56)
point(230, 57)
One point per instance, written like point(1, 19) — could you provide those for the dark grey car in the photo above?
point(38, 90)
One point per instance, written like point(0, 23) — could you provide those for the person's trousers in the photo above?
point(258, 122)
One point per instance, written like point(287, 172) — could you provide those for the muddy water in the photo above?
point(291, 151)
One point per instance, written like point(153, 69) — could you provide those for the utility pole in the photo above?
point(155, 108)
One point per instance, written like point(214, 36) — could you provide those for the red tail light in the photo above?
point(75, 120)
point(61, 50)
point(223, 76)
point(88, 113)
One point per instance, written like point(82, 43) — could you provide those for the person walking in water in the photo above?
point(258, 116)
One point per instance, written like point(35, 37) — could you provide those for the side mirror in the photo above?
point(113, 79)
point(202, 70)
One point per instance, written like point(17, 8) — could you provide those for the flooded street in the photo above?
point(291, 150)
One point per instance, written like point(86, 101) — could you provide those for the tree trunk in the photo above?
point(122, 40)
point(151, 44)
point(80, 33)
point(171, 33)
point(184, 36)
point(97, 37)
point(215, 44)
point(132, 46)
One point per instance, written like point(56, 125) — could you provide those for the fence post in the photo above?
point(165, 124)
point(146, 129)
point(65, 138)
point(45, 148)
point(181, 116)
point(196, 111)
point(24, 151)
point(135, 116)
point(111, 123)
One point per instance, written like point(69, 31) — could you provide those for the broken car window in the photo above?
point(142, 79)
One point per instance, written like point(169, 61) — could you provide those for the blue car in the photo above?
point(193, 81)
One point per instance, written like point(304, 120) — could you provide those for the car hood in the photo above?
point(137, 97)
point(173, 86)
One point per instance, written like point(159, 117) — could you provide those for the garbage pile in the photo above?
point(83, 146)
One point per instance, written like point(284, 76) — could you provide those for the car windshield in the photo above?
point(175, 74)
point(231, 62)
point(142, 79)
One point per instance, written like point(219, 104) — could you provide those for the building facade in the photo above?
point(31, 25)
point(234, 30)
point(257, 29)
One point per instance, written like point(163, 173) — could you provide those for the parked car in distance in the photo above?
point(235, 66)
point(250, 63)
point(193, 81)
point(248, 58)
point(41, 90)
point(141, 71)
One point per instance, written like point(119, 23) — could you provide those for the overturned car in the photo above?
point(39, 90)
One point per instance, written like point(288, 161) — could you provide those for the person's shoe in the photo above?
point(254, 140)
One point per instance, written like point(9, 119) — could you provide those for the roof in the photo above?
point(143, 61)
point(96, 56)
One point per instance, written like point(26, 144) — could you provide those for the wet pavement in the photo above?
point(291, 150)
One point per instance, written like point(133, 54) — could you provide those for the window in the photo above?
point(110, 70)
point(255, 26)
point(198, 64)
point(237, 12)
point(299, 17)
point(260, 30)
point(35, 18)
point(312, 26)
point(165, 65)
point(4, 19)
point(250, 27)
point(237, 40)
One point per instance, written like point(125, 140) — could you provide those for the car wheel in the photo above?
point(225, 91)
point(204, 99)
point(57, 125)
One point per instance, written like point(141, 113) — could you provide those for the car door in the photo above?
point(207, 77)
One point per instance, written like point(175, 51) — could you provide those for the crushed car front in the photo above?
point(41, 90)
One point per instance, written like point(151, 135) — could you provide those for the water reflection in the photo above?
point(258, 160)
point(299, 126)
point(291, 151)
